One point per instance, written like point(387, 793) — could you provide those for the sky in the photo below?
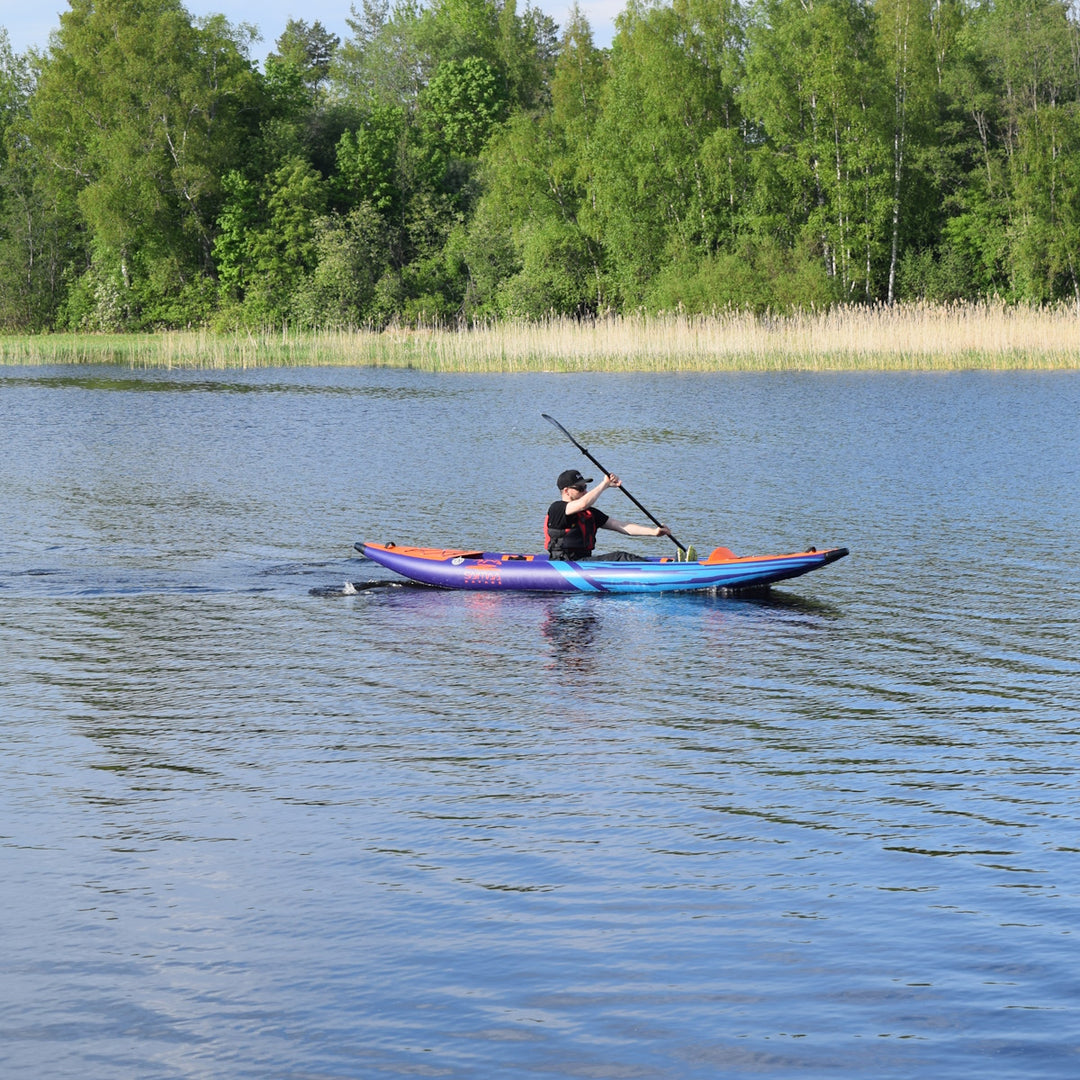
point(29, 22)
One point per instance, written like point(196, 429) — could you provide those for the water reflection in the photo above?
point(570, 625)
point(120, 379)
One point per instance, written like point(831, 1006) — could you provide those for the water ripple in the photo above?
point(252, 831)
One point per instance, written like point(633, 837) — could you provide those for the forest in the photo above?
point(455, 162)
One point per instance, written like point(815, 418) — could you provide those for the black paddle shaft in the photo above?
point(552, 420)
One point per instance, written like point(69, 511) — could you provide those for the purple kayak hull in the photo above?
point(452, 568)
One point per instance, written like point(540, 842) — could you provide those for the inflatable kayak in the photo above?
point(452, 568)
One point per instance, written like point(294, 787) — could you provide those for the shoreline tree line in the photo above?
point(454, 161)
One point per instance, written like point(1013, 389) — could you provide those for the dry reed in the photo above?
point(906, 337)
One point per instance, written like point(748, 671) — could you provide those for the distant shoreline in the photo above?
point(989, 336)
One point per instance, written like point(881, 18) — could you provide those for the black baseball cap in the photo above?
point(572, 478)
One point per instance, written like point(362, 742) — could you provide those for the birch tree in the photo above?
point(138, 113)
point(670, 100)
point(815, 92)
point(905, 43)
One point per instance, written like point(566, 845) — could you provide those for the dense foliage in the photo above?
point(457, 160)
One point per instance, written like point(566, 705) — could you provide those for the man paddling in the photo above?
point(573, 520)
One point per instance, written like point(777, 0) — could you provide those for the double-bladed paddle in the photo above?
point(552, 420)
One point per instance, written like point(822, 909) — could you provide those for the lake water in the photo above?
point(251, 829)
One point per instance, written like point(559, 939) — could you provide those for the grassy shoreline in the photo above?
point(912, 337)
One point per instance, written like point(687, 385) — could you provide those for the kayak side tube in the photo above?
point(454, 568)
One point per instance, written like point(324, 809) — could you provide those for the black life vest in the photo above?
point(579, 539)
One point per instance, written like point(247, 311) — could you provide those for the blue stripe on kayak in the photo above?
point(575, 577)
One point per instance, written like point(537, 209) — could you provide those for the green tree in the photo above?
point(1046, 195)
point(383, 63)
point(267, 249)
point(431, 84)
point(527, 253)
point(368, 162)
point(240, 220)
point(287, 117)
point(352, 256)
point(1012, 226)
point(969, 200)
point(309, 49)
point(813, 88)
point(137, 115)
point(526, 49)
point(459, 107)
point(527, 248)
point(456, 29)
point(905, 42)
point(18, 208)
point(578, 78)
point(1033, 53)
point(667, 149)
point(16, 83)
point(299, 113)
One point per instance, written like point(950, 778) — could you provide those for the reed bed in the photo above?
point(911, 337)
